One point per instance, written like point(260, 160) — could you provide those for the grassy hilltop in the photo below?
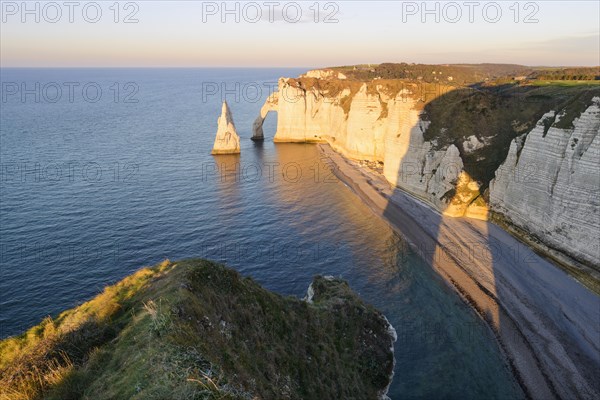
point(197, 330)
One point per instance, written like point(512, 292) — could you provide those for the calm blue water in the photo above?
point(91, 191)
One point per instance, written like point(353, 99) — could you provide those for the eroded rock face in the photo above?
point(549, 185)
point(376, 125)
point(227, 140)
point(367, 121)
point(436, 176)
point(270, 105)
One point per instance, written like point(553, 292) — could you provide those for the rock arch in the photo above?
point(270, 105)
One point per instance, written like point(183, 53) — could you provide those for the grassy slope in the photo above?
point(195, 330)
point(498, 114)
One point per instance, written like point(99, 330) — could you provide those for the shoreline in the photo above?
point(549, 342)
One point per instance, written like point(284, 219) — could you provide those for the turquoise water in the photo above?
point(91, 191)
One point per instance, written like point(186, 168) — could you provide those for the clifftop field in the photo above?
point(466, 74)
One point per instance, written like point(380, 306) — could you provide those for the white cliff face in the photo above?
point(227, 140)
point(366, 126)
point(375, 125)
point(308, 115)
point(324, 74)
point(353, 123)
point(550, 185)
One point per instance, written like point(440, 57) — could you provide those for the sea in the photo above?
point(105, 171)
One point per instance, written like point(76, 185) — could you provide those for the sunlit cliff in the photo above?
point(522, 154)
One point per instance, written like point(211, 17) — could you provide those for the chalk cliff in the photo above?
point(377, 121)
point(445, 145)
point(549, 184)
point(227, 140)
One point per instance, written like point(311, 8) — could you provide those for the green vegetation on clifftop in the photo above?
point(495, 115)
point(198, 330)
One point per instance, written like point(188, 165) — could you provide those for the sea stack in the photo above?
point(227, 140)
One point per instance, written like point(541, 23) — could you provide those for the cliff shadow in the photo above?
point(447, 158)
point(529, 304)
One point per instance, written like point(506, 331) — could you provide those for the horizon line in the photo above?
point(287, 67)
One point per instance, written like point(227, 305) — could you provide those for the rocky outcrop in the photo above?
point(227, 140)
point(324, 74)
point(549, 184)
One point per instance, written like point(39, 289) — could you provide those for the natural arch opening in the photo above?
point(257, 127)
point(261, 123)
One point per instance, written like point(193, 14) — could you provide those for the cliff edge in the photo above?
point(196, 329)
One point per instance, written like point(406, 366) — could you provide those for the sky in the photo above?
point(156, 33)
